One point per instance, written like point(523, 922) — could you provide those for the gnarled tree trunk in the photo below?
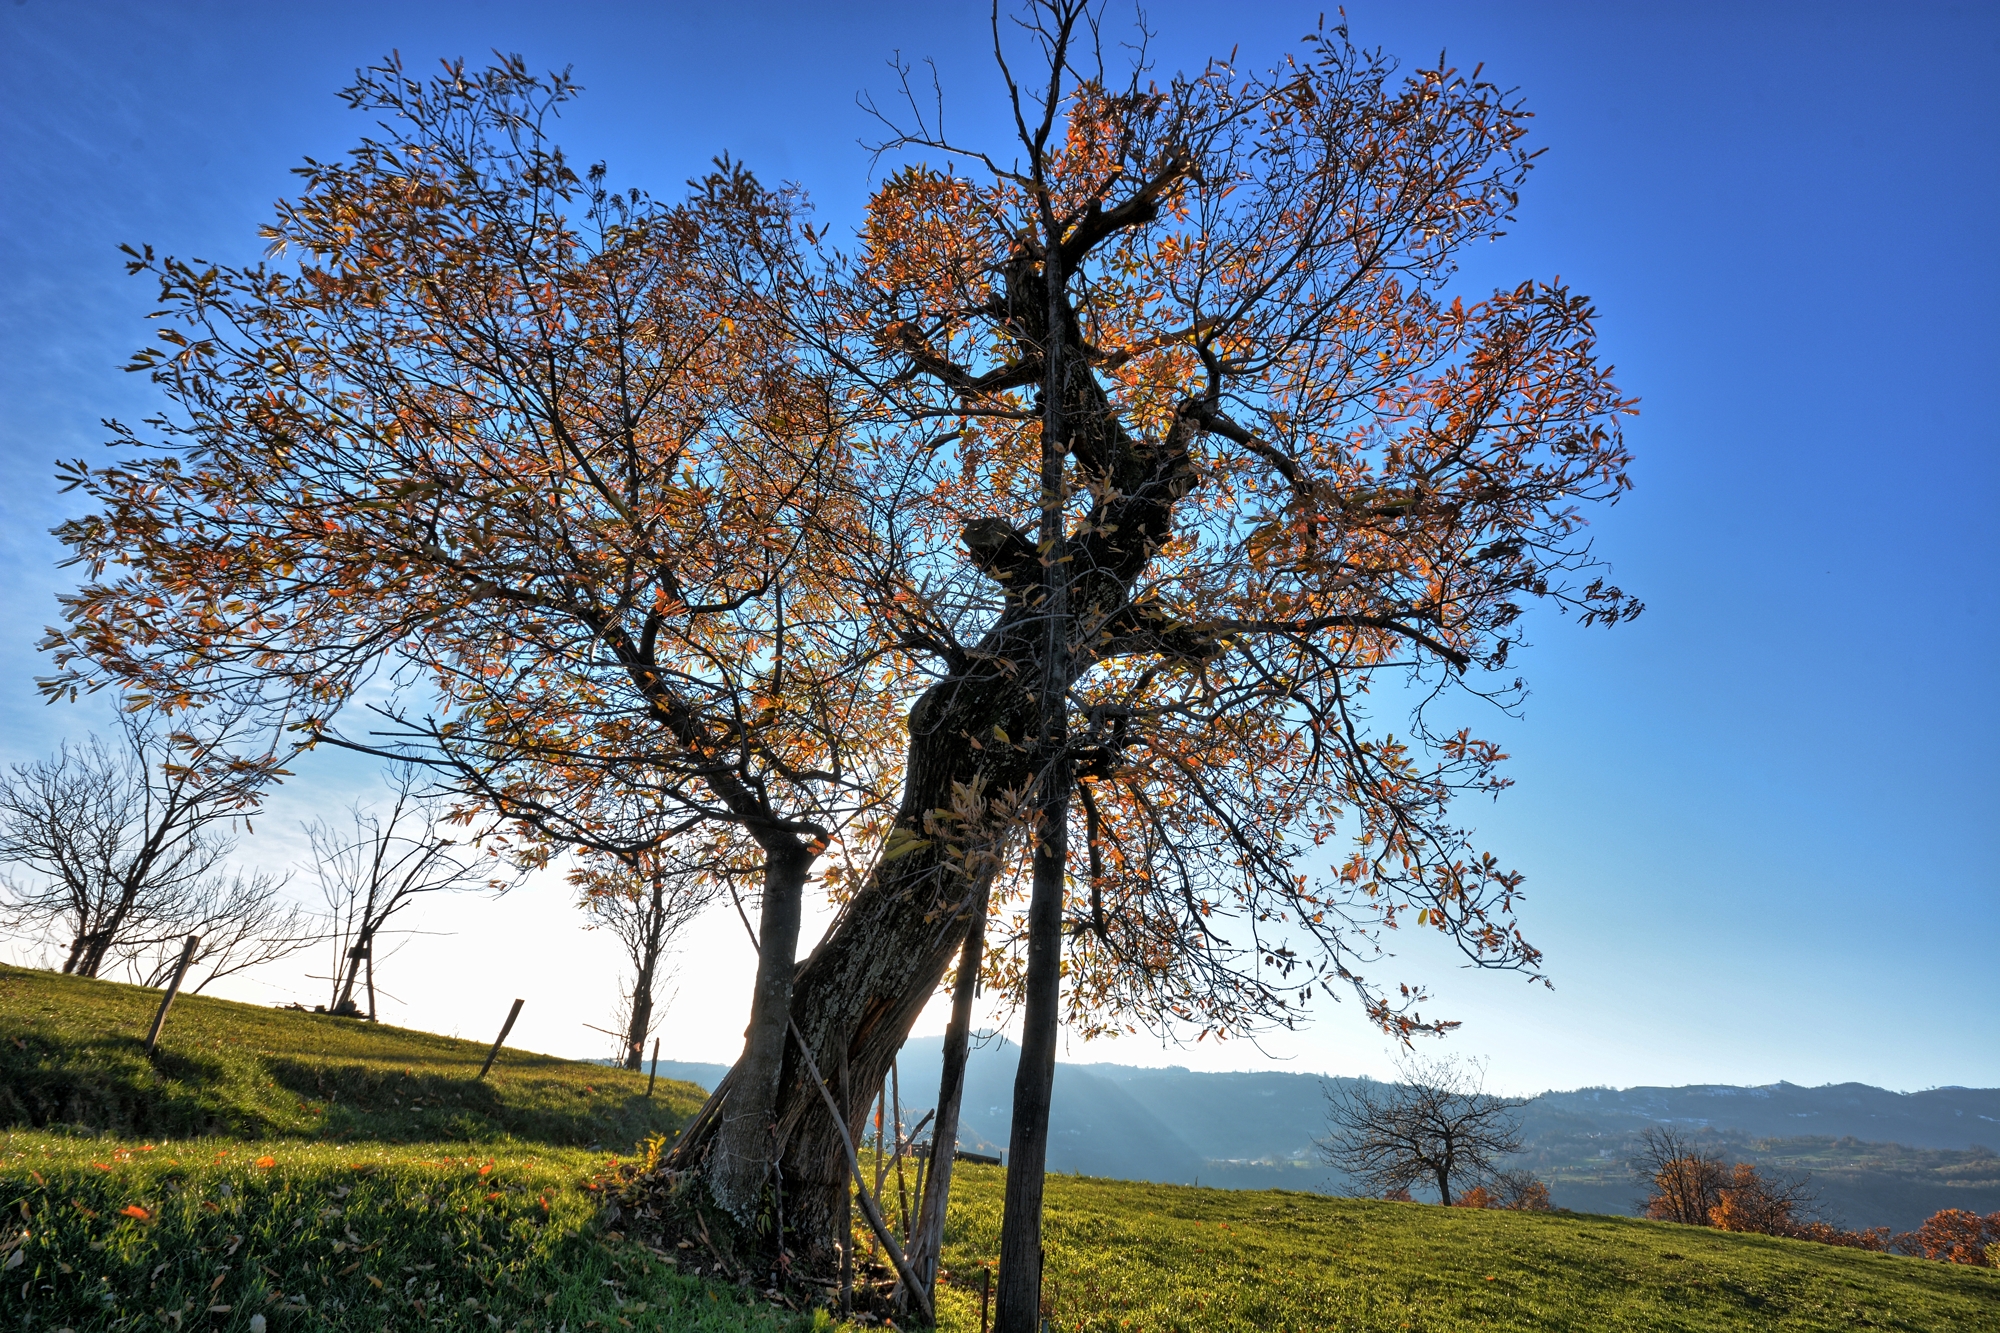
point(856, 997)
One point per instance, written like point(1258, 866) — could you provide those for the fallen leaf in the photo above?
point(134, 1210)
point(267, 1161)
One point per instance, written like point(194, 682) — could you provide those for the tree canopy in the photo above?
point(1150, 456)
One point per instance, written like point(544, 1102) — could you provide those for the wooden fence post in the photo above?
point(505, 1028)
point(173, 989)
point(655, 1071)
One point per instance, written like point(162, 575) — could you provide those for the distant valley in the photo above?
point(1877, 1158)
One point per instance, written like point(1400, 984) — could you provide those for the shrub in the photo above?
point(1521, 1192)
point(1752, 1201)
point(1955, 1236)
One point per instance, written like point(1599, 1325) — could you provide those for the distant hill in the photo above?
point(1934, 1118)
point(1878, 1158)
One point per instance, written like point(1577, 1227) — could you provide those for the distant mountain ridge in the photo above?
point(1933, 1118)
point(1256, 1130)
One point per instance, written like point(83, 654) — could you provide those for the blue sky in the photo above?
point(1758, 824)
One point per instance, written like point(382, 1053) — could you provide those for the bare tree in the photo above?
point(119, 842)
point(644, 899)
point(377, 866)
point(1438, 1126)
point(1521, 1192)
point(1684, 1180)
point(242, 919)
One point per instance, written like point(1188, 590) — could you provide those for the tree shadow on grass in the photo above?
point(111, 1087)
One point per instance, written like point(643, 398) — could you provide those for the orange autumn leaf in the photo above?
point(134, 1210)
point(266, 1161)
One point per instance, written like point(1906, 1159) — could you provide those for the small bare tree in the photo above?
point(1683, 1179)
point(1521, 1192)
point(375, 866)
point(644, 899)
point(242, 919)
point(122, 842)
point(1437, 1126)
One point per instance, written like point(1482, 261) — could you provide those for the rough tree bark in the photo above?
point(642, 1015)
point(740, 1161)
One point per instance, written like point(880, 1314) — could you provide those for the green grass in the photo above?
point(393, 1179)
point(72, 1053)
point(312, 1235)
point(1134, 1258)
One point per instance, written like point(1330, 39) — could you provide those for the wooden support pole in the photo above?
point(498, 1041)
point(902, 1184)
point(655, 1071)
point(173, 989)
point(868, 1208)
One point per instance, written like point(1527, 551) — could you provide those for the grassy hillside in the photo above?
point(327, 1174)
point(207, 1233)
point(72, 1053)
point(1123, 1258)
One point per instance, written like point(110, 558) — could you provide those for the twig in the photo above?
point(721, 1262)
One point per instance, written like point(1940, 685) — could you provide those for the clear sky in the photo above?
point(1758, 824)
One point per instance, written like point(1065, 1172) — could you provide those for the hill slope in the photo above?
point(330, 1217)
point(72, 1053)
point(1131, 1257)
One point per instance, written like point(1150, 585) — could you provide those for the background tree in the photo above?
point(1521, 1192)
point(543, 456)
point(1685, 1180)
point(1437, 1126)
point(1753, 1200)
point(1955, 1236)
point(241, 918)
point(376, 866)
point(120, 845)
point(644, 899)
